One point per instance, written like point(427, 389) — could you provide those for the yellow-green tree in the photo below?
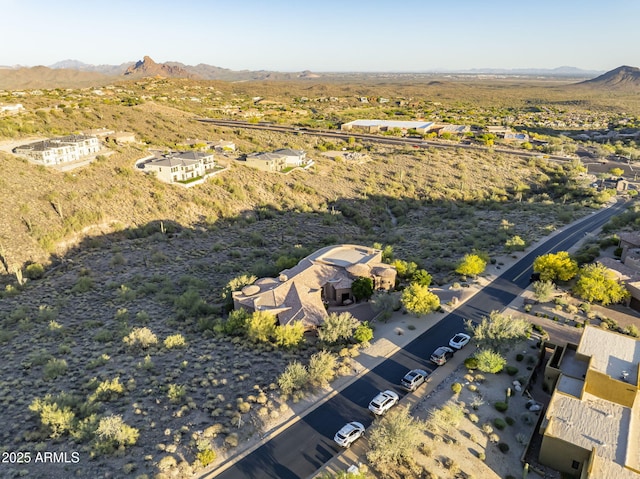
point(471, 265)
point(616, 171)
point(289, 335)
point(598, 283)
point(555, 266)
point(417, 299)
point(261, 326)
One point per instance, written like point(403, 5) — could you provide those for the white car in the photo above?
point(459, 341)
point(383, 402)
point(348, 434)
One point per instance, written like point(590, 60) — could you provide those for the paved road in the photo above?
point(389, 140)
point(305, 446)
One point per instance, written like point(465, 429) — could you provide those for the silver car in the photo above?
point(413, 379)
point(348, 434)
point(383, 402)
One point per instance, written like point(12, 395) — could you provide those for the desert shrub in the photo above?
point(394, 439)
point(55, 419)
point(474, 418)
point(206, 457)
point(446, 417)
point(501, 406)
point(113, 433)
point(231, 440)
point(490, 361)
point(519, 357)
point(471, 363)
point(54, 368)
point(363, 333)
point(34, 271)
point(499, 423)
point(322, 366)
point(294, 378)
point(456, 388)
point(174, 341)
point(140, 338)
point(338, 328)
point(511, 370)
point(176, 393)
point(289, 335)
point(504, 447)
point(510, 420)
point(108, 390)
point(236, 323)
point(99, 361)
point(482, 456)
point(83, 284)
point(261, 326)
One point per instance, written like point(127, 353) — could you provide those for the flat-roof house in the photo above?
point(452, 129)
point(60, 150)
point(323, 278)
point(223, 145)
point(590, 428)
point(181, 166)
point(514, 136)
point(374, 126)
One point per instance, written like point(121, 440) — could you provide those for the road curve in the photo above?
point(306, 445)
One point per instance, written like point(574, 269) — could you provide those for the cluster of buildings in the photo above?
point(592, 425)
point(320, 280)
point(11, 108)
point(180, 166)
point(59, 150)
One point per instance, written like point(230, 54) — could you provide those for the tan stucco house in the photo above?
point(180, 166)
point(324, 278)
point(592, 425)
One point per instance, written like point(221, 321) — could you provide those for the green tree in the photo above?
point(616, 171)
point(294, 378)
point(405, 269)
point(322, 368)
point(385, 303)
point(543, 290)
point(394, 439)
point(236, 323)
point(363, 333)
point(417, 299)
point(471, 265)
point(490, 361)
point(289, 335)
point(362, 288)
point(498, 330)
point(597, 283)
point(337, 328)
point(422, 277)
point(261, 326)
point(555, 266)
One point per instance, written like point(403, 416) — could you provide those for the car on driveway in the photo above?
point(441, 355)
point(413, 379)
point(348, 434)
point(383, 402)
point(459, 341)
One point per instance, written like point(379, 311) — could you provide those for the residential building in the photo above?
point(60, 150)
point(627, 270)
point(183, 166)
point(451, 129)
point(514, 136)
point(10, 109)
point(375, 126)
point(324, 278)
point(122, 137)
point(266, 161)
point(223, 145)
point(590, 428)
point(292, 157)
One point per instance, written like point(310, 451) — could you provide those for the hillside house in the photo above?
point(60, 150)
point(322, 279)
point(11, 109)
point(122, 137)
point(271, 162)
point(292, 157)
point(180, 167)
point(515, 137)
point(591, 425)
point(223, 146)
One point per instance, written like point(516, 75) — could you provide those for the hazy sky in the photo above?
point(325, 35)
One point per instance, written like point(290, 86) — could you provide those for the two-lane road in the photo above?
point(306, 445)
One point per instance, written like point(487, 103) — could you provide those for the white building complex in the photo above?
point(60, 150)
point(183, 167)
point(374, 126)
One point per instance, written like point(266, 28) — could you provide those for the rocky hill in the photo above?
point(148, 68)
point(621, 78)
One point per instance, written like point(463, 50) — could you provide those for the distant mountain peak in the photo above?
point(621, 78)
point(147, 68)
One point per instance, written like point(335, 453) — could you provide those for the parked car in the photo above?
point(459, 341)
point(348, 434)
point(441, 355)
point(413, 379)
point(383, 402)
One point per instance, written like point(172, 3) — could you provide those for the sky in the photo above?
point(325, 35)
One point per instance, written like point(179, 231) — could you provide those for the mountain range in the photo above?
point(73, 73)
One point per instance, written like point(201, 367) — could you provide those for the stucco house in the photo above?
point(266, 161)
point(374, 126)
point(11, 108)
point(180, 166)
point(590, 428)
point(323, 278)
point(292, 157)
point(60, 150)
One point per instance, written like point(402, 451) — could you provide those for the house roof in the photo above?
point(632, 238)
point(265, 156)
point(171, 161)
point(289, 152)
